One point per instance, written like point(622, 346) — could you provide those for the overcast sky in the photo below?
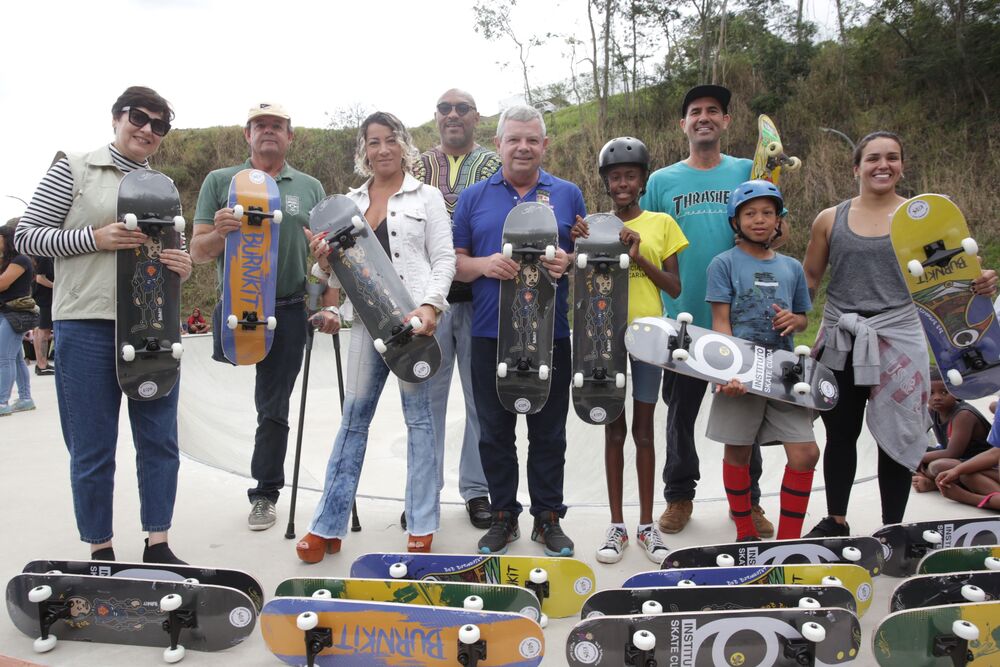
point(64, 62)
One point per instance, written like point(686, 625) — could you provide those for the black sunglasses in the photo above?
point(139, 118)
point(462, 108)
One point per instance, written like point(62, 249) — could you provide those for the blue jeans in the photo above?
point(546, 434)
point(366, 376)
point(455, 339)
point(89, 403)
point(12, 364)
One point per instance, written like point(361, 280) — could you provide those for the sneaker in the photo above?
point(548, 531)
point(160, 553)
point(503, 530)
point(749, 538)
point(263, 515)
point(615, 541)
point(23, 405)
point(652, 543)
point(479, 512)
point(6, 409)
point(828, 527)
point(764, 527)
point(44, 371)
point(107, 553)
point(676, 516)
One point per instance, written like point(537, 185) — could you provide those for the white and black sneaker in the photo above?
point(652, 544)
point(615, 541)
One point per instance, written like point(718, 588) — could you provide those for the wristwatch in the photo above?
point(332, 309)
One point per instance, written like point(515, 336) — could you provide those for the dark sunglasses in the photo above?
point(462, 108)
point(139, 118)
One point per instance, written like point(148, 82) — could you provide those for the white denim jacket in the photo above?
point(420, 243)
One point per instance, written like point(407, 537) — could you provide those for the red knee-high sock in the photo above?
point(795, 488)
point(736, 479)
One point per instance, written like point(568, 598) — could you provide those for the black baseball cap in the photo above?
point(719, 93)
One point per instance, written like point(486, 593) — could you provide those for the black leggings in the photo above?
point(840, 456)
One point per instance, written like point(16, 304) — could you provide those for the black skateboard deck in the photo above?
point(147, 294)
point(375, 288)
point(527, 310)
point(904, 544)
point(929, 590)
point(600, 317)
point(863, 551)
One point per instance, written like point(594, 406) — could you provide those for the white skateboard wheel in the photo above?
point(131, 222)
point(680, 354)
point(955, 377)
point(179, 224)
point(543, 372)
point(965, 630)
point(685, 318)
point(469, 634)
point(915, 268)
point(992, 563)
point(278, 217)
point(54, 572)
point(620, 380)
point(306, 621)
point(380, 346)
point(272, 323)
point(357, 223)
point(543, 620)
point(172, 655)
point(686, 583)
point(550, 252)
point(931, 537)
point(170, 602)
point(502, 370)
point(577, 380)
point(809, 603)
point(803, 350)
point(397, 570)
point(473, 603)
point(238, 211)
point(973, 593)
point(538, 576)
point(852, 554)
point(322, 594)
point(644, 640)
point(773, 148)
point(624, 260)
point(507, 250)
point(39, 593)
point(581, 260)
point(794, 164)
point(830, 580)
point(232, 321)
point(801, 388)
point(970, 246)
point(814, 632)
point(652, 607)
point(191, 581)
point(725, 560)
point(176, 350)
point(128, 352)
point(45, 645)
point(415, 322)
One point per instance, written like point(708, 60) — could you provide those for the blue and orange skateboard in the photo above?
point(249, 273)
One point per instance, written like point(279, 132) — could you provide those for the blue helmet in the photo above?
point(752, 190)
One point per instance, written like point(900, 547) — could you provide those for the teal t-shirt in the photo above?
point(299, 194)
point(697, 200)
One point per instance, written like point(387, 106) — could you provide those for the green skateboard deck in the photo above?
point(960, 559)
point(955, 634)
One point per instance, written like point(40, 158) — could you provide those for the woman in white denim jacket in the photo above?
point(411, 222)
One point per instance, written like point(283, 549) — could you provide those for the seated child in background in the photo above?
point(978, 476)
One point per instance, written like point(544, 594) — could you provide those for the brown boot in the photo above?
point(764, 527)
point(676, 516)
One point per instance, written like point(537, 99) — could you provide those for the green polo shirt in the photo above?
point(299, 194)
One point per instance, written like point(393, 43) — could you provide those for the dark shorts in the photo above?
point(45, 316)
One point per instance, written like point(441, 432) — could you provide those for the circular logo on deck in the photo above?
point(522, 405)
point(864, 592)
point(586, 653)
point(828, 389)
point(886, 550)
point(583, 586)
point(148, 389)
point(240, 617)
point(256, 177)
point(421, 369)
point(737, 659)
point(530, 647)
point(918, 209)
point(598, 415)
point(530, 612)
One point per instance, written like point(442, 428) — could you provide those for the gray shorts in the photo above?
point(744, 420)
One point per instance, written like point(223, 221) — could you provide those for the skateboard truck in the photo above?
point(795, 374)
point(152, 225)
point(177, 619)
point(255, 215)
point(956, 644)
point(679, 343)
point(538, 583)
point(639, 651)
point(48, 614)
point(250, 321)
point(940, 256)
point(471, 648)
point(801, 651)
point(316, 638)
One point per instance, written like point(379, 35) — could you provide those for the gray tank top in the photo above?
point(864, 274)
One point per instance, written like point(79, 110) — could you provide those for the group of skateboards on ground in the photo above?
point(435, 609)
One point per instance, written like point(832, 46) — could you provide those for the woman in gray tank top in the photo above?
point(867, 297)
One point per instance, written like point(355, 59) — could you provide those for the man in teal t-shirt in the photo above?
point(695, 191)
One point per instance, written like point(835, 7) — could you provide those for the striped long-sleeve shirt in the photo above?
point(40, 232)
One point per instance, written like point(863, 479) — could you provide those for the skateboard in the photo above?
point(904, 544)
point(939, 261)
point(863, 551)
point(679, 346)
point(560, 584)
point(852, 577)
point(375, 288)
point(769, 158)
point(488, 597)
point(237, 579)
point(148, 295)
point(957, 559)
point(600, 316)
point(929, 590)
point(250, 268)
point(132, 612)
point(759, 637)
point(352, 632)
point(527, 309)
point(954, 634)
point(627, 601)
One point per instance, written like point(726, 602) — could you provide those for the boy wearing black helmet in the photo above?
point(653, 239)
point(761, 296)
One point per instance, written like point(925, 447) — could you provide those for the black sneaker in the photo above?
point(107, 553)
point(547, 531)
point(503, 530)
point(160, 553)
point(828, 527)
point(479, 512)
point(44, 371)
point(749, 538)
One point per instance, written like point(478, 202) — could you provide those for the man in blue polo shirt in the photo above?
point(478, 226)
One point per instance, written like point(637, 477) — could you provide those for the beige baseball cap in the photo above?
point(268, 109)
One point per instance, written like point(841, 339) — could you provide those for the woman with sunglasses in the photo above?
point(71, 217)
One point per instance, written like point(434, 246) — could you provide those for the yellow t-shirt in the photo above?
point(660, 237)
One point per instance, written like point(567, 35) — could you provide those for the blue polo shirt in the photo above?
point(478, 228)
